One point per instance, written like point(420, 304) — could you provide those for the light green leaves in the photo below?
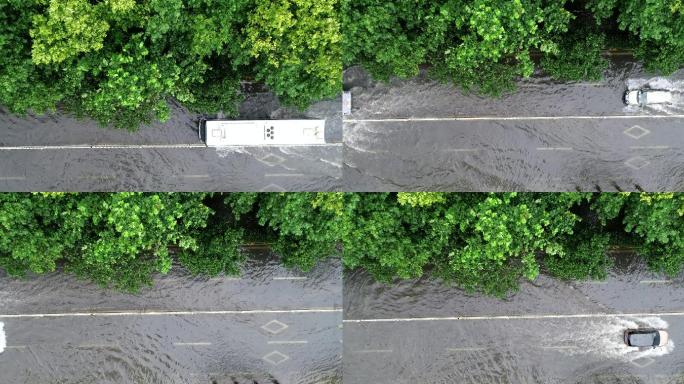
point(70, 28)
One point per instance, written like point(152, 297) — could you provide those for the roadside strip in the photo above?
point(173, 313)
point(511, 317)
point(512, 118)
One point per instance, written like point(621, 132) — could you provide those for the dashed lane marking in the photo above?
point(288, 342)
point(373, 351)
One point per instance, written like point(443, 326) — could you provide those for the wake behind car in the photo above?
point(645, 337)
point(220, 133)
point(643, 97)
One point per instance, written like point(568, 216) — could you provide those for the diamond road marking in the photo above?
point(276, 358)
point(273, 188)
point(637, 162)
point(274, 327)
point(636, 132)
point(271, 159)
point(642, 362)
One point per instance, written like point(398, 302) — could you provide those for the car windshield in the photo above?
point(644, 339)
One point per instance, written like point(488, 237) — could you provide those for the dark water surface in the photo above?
point(419, 134)
point(164, 157)
point(549, 332)
point(270, 325)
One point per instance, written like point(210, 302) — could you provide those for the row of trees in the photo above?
point(479, 241)
point(118, 61)
point(486, 44)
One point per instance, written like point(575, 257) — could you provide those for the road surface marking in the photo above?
point(461, 150)
point(558, 347)
point(288, 342)
point(173, 313)
point(511, 118)
point(290, 278)
point(655, 281)
point(12, 178)
point(554, 149)
point(373, 351)
point(512, 317)
point(15, 347)
point(97, 346)
point(3, 340)
point(649, 147)
point(195, 176)
point(283, 174)
point(192, 344)
point(465, 349)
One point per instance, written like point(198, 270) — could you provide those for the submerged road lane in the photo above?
point(60, 153)
point(548, 332)
point(269, 325)
point(418, 134)
point(495, 154)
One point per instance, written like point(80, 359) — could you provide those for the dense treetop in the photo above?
point(479, 241)
point(486, 44)
point(118, 61)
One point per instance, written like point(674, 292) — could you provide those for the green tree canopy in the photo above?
point(119, 61)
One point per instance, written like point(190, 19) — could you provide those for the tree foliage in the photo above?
point(119, 61)
point(479, 241)
point(487, 44)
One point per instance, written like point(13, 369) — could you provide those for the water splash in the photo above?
point(606, 339)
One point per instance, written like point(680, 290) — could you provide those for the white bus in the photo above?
point(221, 133)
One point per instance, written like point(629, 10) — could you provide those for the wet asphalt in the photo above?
point(550, 331)
point(269, 325)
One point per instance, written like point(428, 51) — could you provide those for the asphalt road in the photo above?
point(549, 332)
point(418, 134)
point(61, 153)
point(270, 325)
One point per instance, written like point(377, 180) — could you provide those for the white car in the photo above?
point(645, 337)
point(643, 97)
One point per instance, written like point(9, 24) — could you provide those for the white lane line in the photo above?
point(558, 347)
point(15, 347)
point(12, 178)
point(288, 342)
point(180, 344)
point(655, 282)
point(461, 150)
point(97, 346)
point(3, 340)
point(465, 349)
point(204, 176)
point(173, 313)
point(512, 317)
point(103, 146)
point(554, 149)
point(649, 147)
point(511, 118)
point(290, 278)
point(373, 351)
point(283, 174)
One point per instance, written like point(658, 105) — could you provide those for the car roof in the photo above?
point(644, 339)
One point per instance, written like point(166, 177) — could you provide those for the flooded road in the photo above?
point(549, 332)
point(421, 135)
point(270, 325)
point(60, 153)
